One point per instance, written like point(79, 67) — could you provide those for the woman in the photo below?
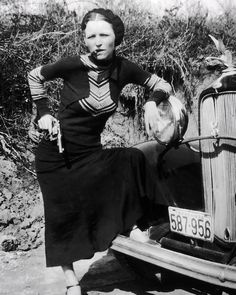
point(92, 194)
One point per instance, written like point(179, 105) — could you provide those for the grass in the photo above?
point(171, 46)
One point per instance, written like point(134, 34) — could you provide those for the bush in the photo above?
point(171, 46)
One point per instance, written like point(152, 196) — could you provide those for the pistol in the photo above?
point(59, 138)
point(56, 135)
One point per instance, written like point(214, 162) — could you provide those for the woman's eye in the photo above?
point(100, 35)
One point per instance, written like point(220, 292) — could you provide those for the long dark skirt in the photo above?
point(96, 197)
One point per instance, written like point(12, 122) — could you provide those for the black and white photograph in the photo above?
point(117, 147)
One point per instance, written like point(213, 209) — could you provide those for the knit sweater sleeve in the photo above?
point(160, 88)
point(36, 78)
point(38, 92)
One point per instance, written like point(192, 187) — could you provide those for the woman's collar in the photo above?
point(112, 66)
point(102, 63)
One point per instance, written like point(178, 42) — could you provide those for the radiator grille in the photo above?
point(218, 116)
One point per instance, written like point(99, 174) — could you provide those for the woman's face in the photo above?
point(100, 39)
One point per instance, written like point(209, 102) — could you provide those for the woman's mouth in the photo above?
point(97, 51)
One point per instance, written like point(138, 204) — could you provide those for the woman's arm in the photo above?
point(132, 73)
point(36, 79)
point(160, 90)
point(40, 99)
point(38, 92)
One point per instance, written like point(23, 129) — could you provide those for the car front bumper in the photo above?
point(211, 272)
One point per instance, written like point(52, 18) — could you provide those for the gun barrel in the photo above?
point(59, 140)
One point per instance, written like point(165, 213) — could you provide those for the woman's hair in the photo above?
point(108, 16)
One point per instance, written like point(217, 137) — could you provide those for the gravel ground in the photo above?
point(24, 273)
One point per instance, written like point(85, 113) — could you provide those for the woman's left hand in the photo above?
point(151, 117)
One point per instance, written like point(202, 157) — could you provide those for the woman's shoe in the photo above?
point(138, 235)
point(69, 287)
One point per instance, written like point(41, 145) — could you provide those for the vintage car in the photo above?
point(197, 175)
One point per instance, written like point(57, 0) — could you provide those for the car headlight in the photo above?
point(173, 121)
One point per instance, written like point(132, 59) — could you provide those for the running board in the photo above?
point(214, 273)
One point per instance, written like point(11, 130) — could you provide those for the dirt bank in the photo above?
point(21, 217)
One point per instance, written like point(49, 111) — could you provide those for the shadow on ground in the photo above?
point(24, 273)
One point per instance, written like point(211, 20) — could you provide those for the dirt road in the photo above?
point(24, 273)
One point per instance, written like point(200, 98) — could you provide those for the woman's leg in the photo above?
point(72, 282)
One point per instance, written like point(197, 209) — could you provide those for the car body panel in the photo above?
point(178, 172)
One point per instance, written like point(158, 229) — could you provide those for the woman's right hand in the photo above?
point(49, 123)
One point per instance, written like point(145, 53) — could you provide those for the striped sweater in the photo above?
point(96, 87)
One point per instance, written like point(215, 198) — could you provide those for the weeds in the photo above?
point(172, 46)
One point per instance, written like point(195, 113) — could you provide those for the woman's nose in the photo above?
point(98, 41)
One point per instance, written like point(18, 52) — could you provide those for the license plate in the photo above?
point(195, 224)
